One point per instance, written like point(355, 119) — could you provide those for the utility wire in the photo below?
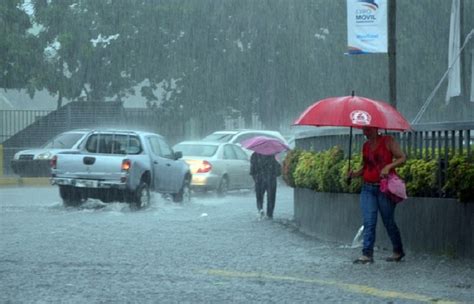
point(432, 94)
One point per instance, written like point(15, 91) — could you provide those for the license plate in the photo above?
point(84, 184)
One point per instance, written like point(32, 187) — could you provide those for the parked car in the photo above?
point(116, 165)
point(216, 166)
point(36, 162)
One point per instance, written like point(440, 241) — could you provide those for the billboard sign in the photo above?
point(367, 26)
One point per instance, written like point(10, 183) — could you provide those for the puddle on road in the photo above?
point(158, 204)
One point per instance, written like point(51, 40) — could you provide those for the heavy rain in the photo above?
point(204, 151)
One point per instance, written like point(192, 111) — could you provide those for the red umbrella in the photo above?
point(353, 111)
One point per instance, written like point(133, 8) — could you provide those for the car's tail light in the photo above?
point(54, 162)
point(199, 166)
point(204, 167)
point(126, 165)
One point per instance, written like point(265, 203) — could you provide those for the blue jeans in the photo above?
point(371, 202)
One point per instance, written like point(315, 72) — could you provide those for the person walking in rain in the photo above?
point(265, 169)
point(381, 155)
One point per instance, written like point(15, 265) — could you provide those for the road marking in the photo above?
point(362, 289)
point(24, 181)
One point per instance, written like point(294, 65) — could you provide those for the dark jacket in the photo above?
point(264, 166)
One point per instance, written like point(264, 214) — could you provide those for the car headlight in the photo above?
point(45, 155)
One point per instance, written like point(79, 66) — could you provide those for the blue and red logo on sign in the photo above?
point(370, 4)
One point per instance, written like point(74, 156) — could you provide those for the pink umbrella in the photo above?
point(265, 145)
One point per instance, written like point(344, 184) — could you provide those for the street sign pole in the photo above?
point(392, 54)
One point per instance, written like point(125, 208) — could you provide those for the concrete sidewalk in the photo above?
point(8, 181)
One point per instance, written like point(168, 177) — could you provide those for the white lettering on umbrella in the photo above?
point(360, 117)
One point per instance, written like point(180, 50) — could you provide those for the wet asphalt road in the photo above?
point(211, 250)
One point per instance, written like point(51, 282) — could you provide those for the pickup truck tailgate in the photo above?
point(89, 166)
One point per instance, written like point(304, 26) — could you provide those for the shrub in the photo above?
point(327, 172)
point(304, 174)
point(460, 178)
point(289, 166)
point(353, 185)
point(420, 177)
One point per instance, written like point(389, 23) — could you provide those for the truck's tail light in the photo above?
point(126, 165)
point(204, 167)
point(54, 162)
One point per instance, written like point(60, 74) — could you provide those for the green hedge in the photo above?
point(326, 171)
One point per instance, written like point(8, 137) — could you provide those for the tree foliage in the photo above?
point(19, 48)
point(208, 58)
point(216, 57)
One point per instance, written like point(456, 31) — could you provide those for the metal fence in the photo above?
point(25, 129)
point(423, 142)
point(434, 141)
point(13, 121)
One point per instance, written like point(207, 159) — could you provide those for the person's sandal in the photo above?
point(364, 260)
point(395, 258)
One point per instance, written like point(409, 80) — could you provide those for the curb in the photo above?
point(24, 181)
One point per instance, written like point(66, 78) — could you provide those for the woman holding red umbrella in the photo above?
point(381, 155)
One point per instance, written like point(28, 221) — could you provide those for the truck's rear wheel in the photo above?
point(141, 197)
point(184, 194)
point(71, 196)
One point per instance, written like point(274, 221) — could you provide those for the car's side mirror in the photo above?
point(178, 154)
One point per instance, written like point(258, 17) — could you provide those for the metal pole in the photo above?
point(350, 152)
point(392, 47)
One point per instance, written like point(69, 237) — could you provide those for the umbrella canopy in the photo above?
point(353, 111)
point(265, 145)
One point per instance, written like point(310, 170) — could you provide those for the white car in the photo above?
point(238, 136)
point(36, 162)
point(216, 166)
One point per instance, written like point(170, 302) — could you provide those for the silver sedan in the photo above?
point(216, 166)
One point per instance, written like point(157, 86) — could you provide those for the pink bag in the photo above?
point(394, 187)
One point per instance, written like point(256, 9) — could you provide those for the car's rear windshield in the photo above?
point(218, 137)
point(63, 141)
point(196, 150)
point(113, 144)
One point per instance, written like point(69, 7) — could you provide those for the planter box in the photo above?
point(434, 225)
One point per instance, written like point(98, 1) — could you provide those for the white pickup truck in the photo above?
point(115, 165)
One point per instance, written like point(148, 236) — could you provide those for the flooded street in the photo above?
point(211, 250)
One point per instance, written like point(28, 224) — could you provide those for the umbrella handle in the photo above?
point(349, 178)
